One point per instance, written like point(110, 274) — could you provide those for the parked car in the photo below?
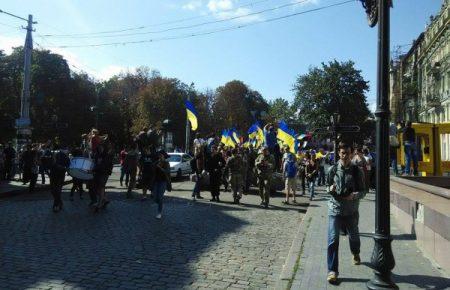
point(179, 164)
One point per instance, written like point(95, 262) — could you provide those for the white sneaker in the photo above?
point(158, 216)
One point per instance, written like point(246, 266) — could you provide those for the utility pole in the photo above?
point(188, 131)
point(23, 124)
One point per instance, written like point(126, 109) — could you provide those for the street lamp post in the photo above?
point(382, 257)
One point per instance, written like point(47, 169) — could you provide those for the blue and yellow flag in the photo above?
point(227, 138)
point(255, 132)
point(191, 114)
point(235, 136)
point(286, 135)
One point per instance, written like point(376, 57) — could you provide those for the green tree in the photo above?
point(280, 109)
point(336, 87)
point(233, 104)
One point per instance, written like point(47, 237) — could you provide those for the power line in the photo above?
point(208, 32)
point(11, 26)
point(153, 25)
point(191, 26)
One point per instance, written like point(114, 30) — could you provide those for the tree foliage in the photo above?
point(233, 105)
point(336, 87)
point(66, 104)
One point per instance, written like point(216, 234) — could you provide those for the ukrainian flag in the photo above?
point(286, 135)
point(224, 137)
point(227, 138)
point(235, 136)
point(255, 132)
point(191, 114)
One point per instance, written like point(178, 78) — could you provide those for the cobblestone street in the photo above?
point(196, 245)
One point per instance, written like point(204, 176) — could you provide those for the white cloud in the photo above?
point(225, 9)
point(306, 2)
point(238, 13)
point(220, 5)
point(192, 5)
point(8, 42)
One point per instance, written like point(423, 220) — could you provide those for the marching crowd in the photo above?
point(236, 168)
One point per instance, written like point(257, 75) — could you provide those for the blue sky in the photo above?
point(267, 56)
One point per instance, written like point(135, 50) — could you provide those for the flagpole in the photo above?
point(188, 131)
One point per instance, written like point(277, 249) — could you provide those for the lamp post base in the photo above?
point(381, 281)
point(383, 262)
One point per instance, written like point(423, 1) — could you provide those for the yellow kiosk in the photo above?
point(433, 148)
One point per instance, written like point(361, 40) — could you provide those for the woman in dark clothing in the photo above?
point(311, 173)
point(214, 166)
point(57, 175)
point(102, 170)
point(147, 165)
point(198, 166)
point(161, 180)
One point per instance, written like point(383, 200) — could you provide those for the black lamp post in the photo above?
point(382, 257)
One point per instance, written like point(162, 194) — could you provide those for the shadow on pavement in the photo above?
point(404, 237)
point(111, 249)
point(351, 280)
point(423, 282)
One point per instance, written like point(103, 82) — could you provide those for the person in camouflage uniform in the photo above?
point(265, 164)
point(235, 167)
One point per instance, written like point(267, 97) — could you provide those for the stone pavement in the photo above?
point(197, 245)
point(412, 270)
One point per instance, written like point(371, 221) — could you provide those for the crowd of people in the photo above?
point(144, 165)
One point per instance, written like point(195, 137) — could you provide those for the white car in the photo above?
point(180, 164)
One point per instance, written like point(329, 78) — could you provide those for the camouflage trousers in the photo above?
point(237, 184)
point(264, 188)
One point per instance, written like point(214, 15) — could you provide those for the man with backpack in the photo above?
point(290, 174)
point(346, 187)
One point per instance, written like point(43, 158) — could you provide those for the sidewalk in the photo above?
point(15, 187)
point(412, 269)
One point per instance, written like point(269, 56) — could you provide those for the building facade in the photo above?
point(420, 79)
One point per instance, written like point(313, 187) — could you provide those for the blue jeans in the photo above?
point(196, 191)
point(321, 177)
point(334, 225)
point(410, 153)
point(124, 174)
point(159, 188)
point(311, 187)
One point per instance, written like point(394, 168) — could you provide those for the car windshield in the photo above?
point(174, 158)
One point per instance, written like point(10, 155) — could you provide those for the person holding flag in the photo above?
point(191, 114)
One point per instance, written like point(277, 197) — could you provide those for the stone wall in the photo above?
point(425, 217)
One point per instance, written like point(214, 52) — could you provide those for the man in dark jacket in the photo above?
point(346, 187)
point(409, 143)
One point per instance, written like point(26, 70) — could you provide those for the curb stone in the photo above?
point(291, 263)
